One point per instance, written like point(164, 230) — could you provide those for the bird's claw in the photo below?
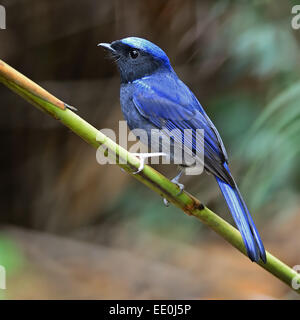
point(166, 202)
point(180, 185)
point(181, 188)
point(141, 167)
point(144, 156)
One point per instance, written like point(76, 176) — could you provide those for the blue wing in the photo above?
point(167, 103)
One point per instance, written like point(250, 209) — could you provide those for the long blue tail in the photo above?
point(243, 220)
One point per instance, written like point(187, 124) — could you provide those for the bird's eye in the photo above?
point(133, 54)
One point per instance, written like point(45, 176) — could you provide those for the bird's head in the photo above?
point(137, 58)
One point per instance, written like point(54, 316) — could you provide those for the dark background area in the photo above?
point(71, 228)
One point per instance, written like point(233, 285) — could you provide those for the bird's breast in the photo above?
point(134, 119)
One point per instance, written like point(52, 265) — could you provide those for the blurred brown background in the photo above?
point(71, 228)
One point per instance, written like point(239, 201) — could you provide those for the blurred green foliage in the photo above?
point(11, 258)
point(10, 255)
point(261, 122)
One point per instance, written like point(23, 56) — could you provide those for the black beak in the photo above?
point(107, 46)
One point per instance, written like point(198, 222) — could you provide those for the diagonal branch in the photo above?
point(150, 177)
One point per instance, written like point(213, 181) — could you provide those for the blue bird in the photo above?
point(153, 97)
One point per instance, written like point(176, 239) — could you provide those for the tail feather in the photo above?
point(261, 248)
point(243, 220)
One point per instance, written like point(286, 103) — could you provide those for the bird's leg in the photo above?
point(180, 185)
point(176, 181)
point(144, 156)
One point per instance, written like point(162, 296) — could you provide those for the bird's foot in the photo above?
point(180, 185)
point(144, 156)
point(166, 202)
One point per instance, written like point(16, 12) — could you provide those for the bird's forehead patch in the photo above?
point(147, 46)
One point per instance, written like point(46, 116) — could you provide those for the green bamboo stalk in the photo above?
point(148, 176)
